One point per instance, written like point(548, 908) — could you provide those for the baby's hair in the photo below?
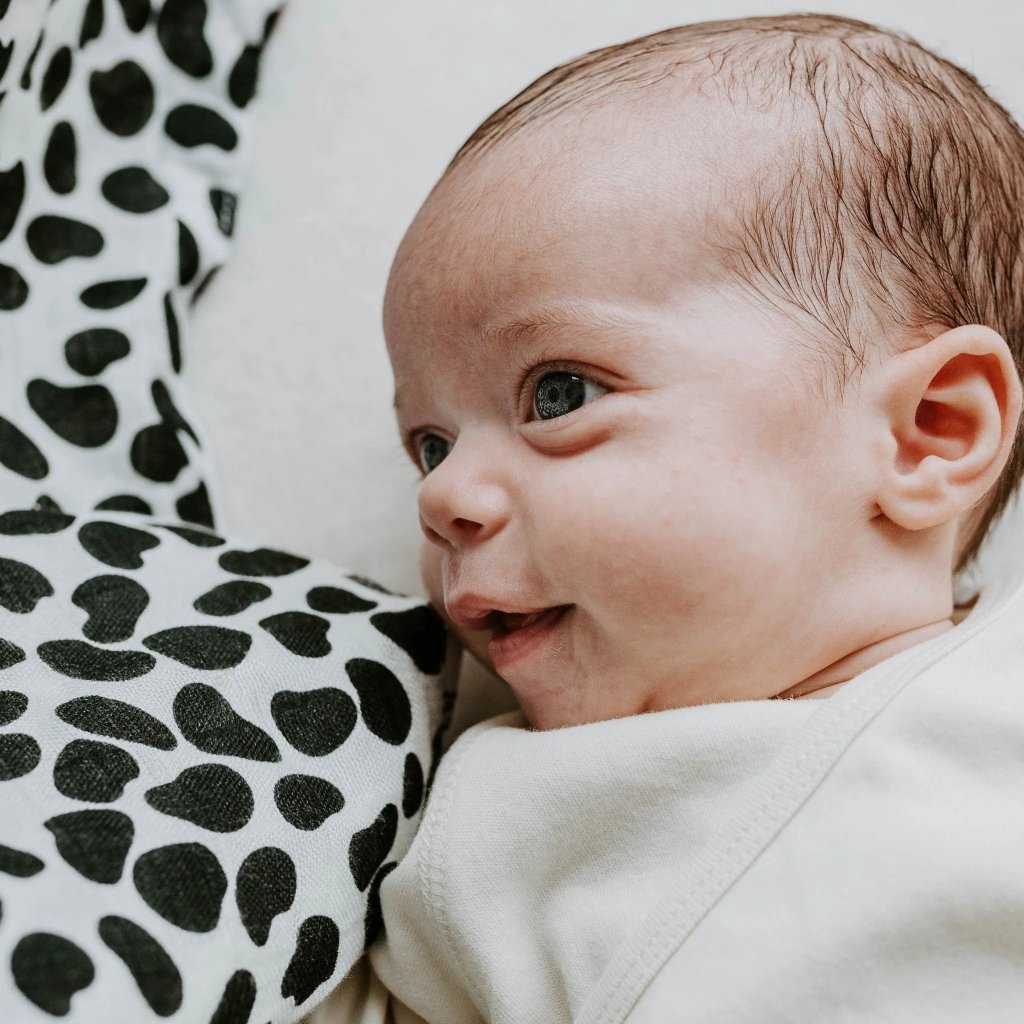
point(902, 191)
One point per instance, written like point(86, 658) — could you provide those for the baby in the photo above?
point(706, 346)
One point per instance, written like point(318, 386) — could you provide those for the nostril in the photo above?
point(455, 532)
point(432, 535)
point(467, 526)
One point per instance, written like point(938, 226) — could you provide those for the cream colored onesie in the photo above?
point(858, 858)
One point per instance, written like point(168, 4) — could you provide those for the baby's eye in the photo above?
point(432, 451)
point(561, 392)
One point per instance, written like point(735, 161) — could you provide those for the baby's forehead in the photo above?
point(623, 194)
point(668, 136)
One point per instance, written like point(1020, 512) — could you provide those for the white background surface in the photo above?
point(363, 102)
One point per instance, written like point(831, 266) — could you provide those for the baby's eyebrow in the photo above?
point(522, 329)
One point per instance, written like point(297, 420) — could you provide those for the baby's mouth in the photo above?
point(475, 614)
point(517, 635)
point(509, 622)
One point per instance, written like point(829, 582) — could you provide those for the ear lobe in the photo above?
point(953, 404)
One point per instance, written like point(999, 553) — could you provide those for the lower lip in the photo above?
point(508, 648)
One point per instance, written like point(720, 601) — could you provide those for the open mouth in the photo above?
point(517, 634)
point(509, 622)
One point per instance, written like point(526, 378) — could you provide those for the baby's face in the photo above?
point(635, 490)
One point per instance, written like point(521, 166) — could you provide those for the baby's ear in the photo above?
point(953, 404)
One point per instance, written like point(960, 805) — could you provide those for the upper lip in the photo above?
point(473, 611)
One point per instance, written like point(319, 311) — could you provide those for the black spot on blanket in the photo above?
point(191, 125)
point(84, 416)
point(197, 538)
point(13, 292)
point(370, 846)
point(61, 158)
point(122, 98)
point(21, 586)
point(306, 801)
point(173, 333)
point(211, 724)
point(231, 598)
point(114, 604)
point(10, 654)
point(17, 452)
point(49, 970)
point(224, 206)
point(242, 80)
point(79, 660)
point(265, 887)
point(314, 959)
point(202, 647)
point(134, 190)
point(55, 77)
point(383, 701)
point(180, 31)
point(23, 522)
point(188, 255)
point(419, 632)
point(335, 601)
point(237, 1001)
point(12, 194)
point(91, 351)
point(261, 562)
point(205, 283)
point(53, 239)
point(194, 507)
point(26, 74)
point(315, 722)
point(157, 453)
point(95, 843)
point(93, 772)
point(111, 294)
point(124, 503)
point(104, 716)
point(19, 755)
point(412, 785)
point(12, 706)
point(92, 23)
point(153, 970)
point(18, 863)
point(211, 796)
point(116, 544)
point(301, 633)
point(136, 13)
point(184, 883)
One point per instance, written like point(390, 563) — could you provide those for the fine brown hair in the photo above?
point(900, 206)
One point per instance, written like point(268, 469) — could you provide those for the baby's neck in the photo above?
point(830, 678)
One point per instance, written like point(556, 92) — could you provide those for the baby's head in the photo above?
point(699, 343)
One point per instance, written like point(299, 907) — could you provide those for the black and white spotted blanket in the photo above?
point(211, 753)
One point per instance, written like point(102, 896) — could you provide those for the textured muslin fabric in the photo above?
point(849, 858)
point(211, 752)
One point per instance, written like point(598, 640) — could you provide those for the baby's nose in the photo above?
point(462, 503)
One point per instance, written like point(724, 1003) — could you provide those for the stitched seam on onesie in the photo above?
point(433, 866)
